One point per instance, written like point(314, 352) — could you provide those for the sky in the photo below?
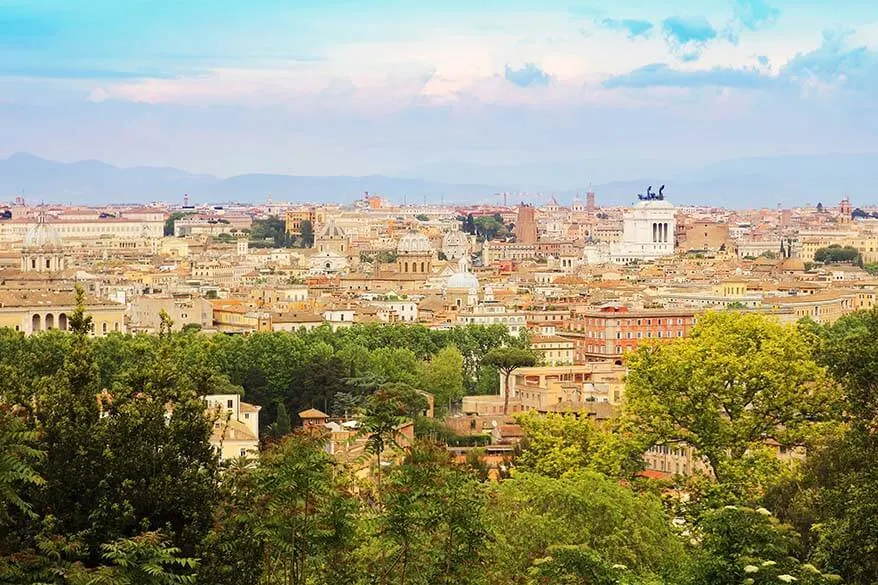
point(451, 90)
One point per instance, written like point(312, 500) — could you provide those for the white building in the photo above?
point(236, 428)
point(647, 232)
point(493, 313)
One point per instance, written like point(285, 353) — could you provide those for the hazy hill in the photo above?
point(753, 182)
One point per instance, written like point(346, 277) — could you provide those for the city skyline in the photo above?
point(437, 91)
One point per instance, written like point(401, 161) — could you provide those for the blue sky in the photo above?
point(455, 90)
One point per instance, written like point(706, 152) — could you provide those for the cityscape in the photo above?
point(391, 330)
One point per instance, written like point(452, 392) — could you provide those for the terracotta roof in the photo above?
point(232, 430)
point(312, 413)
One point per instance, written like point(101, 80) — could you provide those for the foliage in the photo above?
point(269, 233)
point(530, 514)
point(490, 227)
point(507, 360)
point(17, 458)
point(743, 545)
point(142, 560)
point(836, 254)
point(442, 377)
point(555, 444)
point(721, 390)
point(306, 237)
point(831, 498)
point(169, 222)
point(282, 425)
point(303, 513)
point(430, 527)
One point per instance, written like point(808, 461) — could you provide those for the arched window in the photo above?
point(50, 321)
point(104, 327)
point(62, 321)
point(35, 323)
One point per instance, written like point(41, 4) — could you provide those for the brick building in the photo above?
point(608, 332)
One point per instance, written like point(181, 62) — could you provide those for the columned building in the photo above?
point(648, 231)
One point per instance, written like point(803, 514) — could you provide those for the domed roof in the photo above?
point(454, 238)
point(42, 235)
point(462, 280)
point(793, 265)
point(331, 230)
point(414, 243)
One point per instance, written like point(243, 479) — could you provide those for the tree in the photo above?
point(555, 444)
point(282, 426)
point(530, 515)
point(469, 225)
point(269, 232)
point(442, 376)
point(738, 381)
point(307, 233)
point(836, 254)
point(422, 217)
point(831, 498)
point(78, 322)
point(506, 360)
point(142, 560)
point(386, 411)
point(743, 545)
point(304, 513)
point(169, 223)
point(17, 457)
point(429, 529)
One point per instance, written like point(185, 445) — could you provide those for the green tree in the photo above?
point(269, 232)
point(17, 458)
point(530, 514)
point(836, 254)
point(145, 559)
point(282, 426)
point(738, 381)
point(169, 222)
point(442, 376)
point(307, 233)
point(429, 529)
point(304, 514)
point(506, 360)
point(831, 498)
point(743, 545)
point(555, 444)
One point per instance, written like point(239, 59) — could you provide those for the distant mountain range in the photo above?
point(737, 183)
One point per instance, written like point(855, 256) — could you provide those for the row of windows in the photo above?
point(630, 322)
point(632, 335)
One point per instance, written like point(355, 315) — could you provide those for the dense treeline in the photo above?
point(330, 370)
point(107, 475)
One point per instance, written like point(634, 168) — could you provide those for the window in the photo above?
point(243, 452)
point(246, 416)
point(230, 403)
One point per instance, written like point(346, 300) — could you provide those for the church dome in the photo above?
point(463, 280)
point(454, 238)
point(414, 243)
point(42, 235)
point(332, 230)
